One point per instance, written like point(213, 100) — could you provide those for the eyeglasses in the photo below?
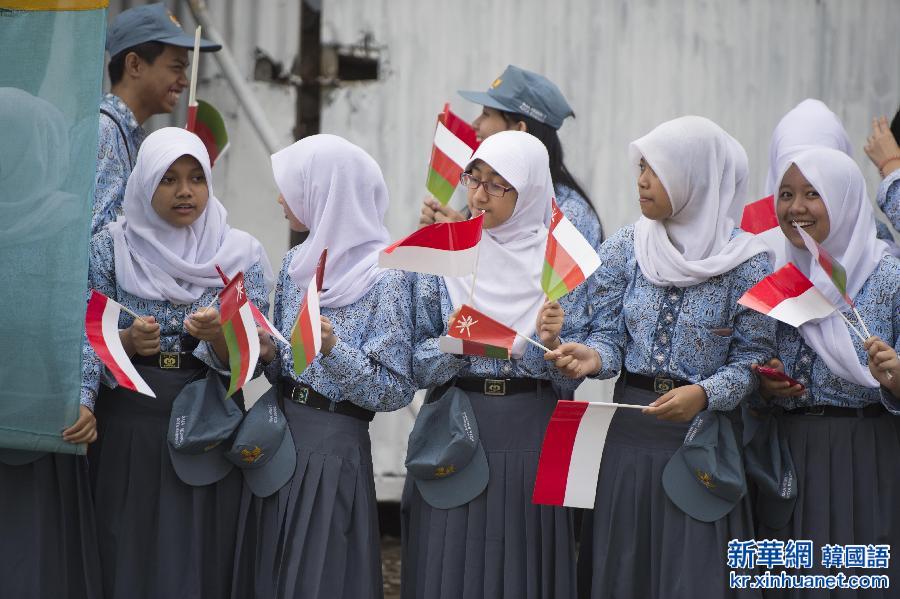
point(493, 189)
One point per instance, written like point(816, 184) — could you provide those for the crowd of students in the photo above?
point(140, 518)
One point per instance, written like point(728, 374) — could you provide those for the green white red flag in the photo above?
point(207, 123)
point(454, 144)
point(787, 295)
point(101, 323)
point(306, 335)
point(569, 258)
point(476, 334)
point(832, 267)
point(444, 249)
point(239, 328)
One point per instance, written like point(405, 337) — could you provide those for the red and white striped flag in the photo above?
point(569, 258)
point(101, 323)
point(759, 218)
point(570, 455)
point(454, 144)
point(445, 249)
point(240, 333)
point(787, 295)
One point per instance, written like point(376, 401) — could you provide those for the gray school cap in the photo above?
point(150, 23)
point(524, 92)
point(202, 421)
point(705, 477)
point(263, 447)
point(769, 465)
point(445, 458)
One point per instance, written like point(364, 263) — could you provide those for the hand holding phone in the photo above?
point(777, 375)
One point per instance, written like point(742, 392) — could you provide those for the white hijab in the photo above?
point(511, 255)
point(336, 190)
point(851, 241)
point(809, 124)
point(704, 171)
point(158, 261)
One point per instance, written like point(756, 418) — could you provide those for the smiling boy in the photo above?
point(148, 71)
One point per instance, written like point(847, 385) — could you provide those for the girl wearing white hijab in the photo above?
point(810, 124)
point(158, 536)
point(841, 426)
point(318, 536)
point(666, 320)
point(481, 536)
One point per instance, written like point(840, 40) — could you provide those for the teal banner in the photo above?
point(51, 67)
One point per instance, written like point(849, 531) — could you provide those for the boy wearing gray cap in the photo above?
point(148, 52)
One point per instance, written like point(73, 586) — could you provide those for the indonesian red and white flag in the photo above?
point(239, 328)
point(101, 323)
point(759, 218)
point(569, 258)
point(570, 455)
point(476, 334)
point(787, 295)
point(444, 249)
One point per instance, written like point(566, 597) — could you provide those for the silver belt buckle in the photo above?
point(299, 395)
point(662, 385)
point(494, 387)
point(818, 410)
point(169, 360)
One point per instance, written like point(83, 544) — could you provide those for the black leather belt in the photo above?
point(658, 384)
point(168, 360)
point(871, 410)
point(499, 387)
point(307, 396)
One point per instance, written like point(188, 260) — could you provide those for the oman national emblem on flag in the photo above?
point(477, 334)
point(239, 328)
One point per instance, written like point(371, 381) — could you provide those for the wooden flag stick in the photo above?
point(861, 322)
point(212, 303)
point(195, 64)
point(853, 328)
point(475, 273)
point(141, 318)
point(533, 342)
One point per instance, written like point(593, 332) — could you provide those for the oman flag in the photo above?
point(570, 455)
point(454, 144)
point(569, 258)
point(306, 336)
point(208, 124)
point(239, 328)
point(476, 334)
point(445, 249)
point(832, 267)
point(101, 323)
point(787, 295)
point(258, 316)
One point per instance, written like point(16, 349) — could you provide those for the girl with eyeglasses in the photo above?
point(491, 541)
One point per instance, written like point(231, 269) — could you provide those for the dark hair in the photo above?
point(550, 138)
point(895, 126)
point(148, 52)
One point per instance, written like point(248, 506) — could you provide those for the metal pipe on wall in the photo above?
point(233, 75)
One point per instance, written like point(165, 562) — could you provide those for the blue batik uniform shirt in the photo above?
point(118, 143)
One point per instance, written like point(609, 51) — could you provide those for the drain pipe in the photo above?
point(232, 74)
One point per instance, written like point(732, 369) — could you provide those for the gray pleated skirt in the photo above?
point(848, 481)
point(48, 544)
point(636, 543)
point(158, 536)
point(499, 545)
point(316, 538)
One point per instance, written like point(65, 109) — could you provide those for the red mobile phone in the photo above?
point(777, 375)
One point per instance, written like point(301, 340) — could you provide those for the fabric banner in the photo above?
point(50, 87)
